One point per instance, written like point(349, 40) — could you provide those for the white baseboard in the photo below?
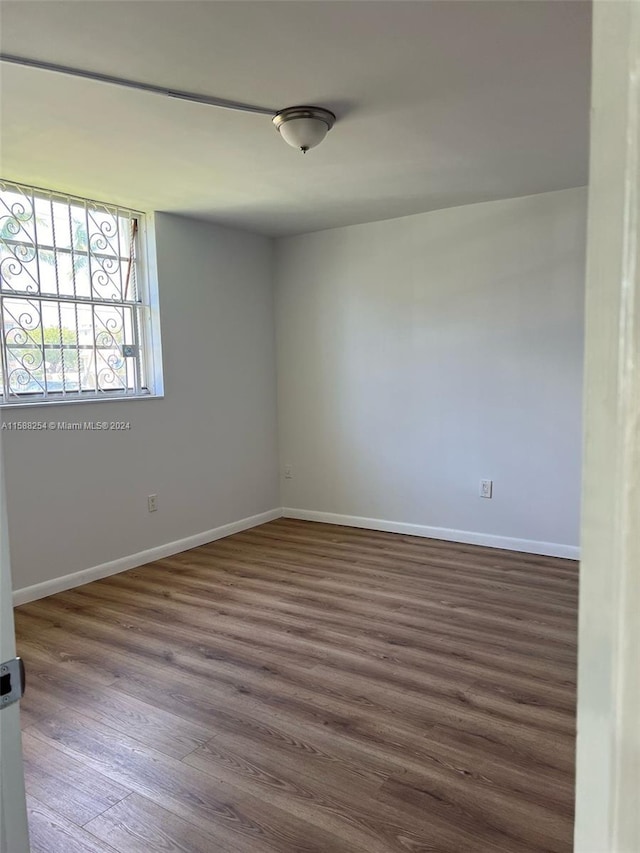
point(528, 546)
point(41, 590)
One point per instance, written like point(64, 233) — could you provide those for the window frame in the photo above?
point(148, 312)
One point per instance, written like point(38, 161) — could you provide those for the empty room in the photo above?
point(305, 360)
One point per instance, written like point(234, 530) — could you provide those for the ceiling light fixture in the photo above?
point(303, 127)
point(300, 127)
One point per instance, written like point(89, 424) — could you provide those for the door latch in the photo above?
point(12, 682)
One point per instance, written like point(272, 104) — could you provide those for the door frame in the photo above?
point(608, 745)
point(14, 833)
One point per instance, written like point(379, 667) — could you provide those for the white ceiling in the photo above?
point(438, 104)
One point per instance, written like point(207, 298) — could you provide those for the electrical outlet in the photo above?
point(152, 503)
point(486, 488)
point(288, 472)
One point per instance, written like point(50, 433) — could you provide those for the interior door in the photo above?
point(14, 835)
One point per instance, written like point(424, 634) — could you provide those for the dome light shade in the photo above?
point(303, 133)
point(303, 127)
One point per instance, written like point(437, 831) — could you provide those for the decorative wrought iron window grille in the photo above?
point(74, 306)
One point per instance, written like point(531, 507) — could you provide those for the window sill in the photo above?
point(82, 401)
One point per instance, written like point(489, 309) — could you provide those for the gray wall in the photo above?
point(415, 356)
point(419, 355)
point(208, 449)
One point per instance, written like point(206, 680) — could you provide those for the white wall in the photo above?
point(208, 449)
point(418, 355)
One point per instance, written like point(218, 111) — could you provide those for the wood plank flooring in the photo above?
point(305, 688)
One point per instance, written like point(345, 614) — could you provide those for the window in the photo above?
point(75, 313)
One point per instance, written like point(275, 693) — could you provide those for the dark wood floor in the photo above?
point(306, 688)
